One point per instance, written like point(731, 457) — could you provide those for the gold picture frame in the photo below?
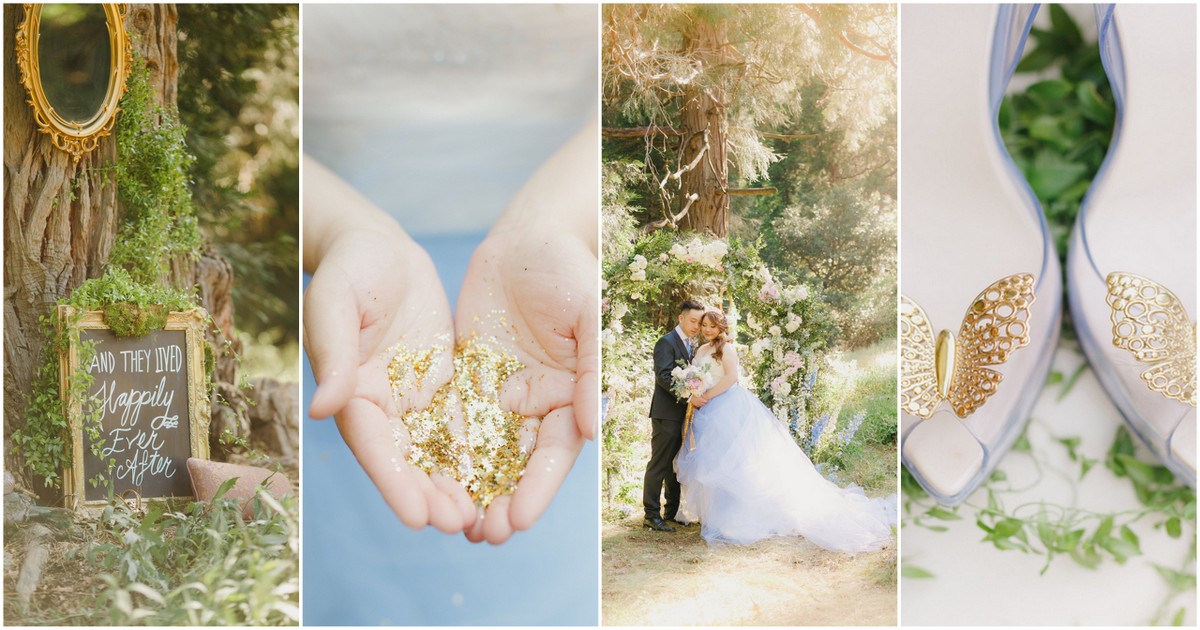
point(77, 138)
point(199, 412)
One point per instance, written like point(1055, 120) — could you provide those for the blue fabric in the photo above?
point(746, 480)
point(361, 566)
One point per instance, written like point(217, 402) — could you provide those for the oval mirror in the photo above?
point(74, 59)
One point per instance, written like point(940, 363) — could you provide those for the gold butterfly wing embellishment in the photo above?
point(957, 369)
point(1151, 324)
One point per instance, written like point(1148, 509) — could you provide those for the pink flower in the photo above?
point(769, 293)
point(793, 359)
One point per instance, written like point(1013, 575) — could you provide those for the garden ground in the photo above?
point(653, 578)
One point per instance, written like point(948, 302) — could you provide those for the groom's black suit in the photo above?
point(666, 417)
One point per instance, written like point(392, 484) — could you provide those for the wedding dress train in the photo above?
point(746, 480)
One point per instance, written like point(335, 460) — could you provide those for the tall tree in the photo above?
point(704, 87)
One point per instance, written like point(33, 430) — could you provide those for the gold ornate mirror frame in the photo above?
point(76, 138)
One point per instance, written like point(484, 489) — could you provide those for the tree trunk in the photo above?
point(706, 125)
point(61, 220)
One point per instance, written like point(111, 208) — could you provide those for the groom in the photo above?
point(666, 416)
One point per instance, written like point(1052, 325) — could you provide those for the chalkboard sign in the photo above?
point(154, 408)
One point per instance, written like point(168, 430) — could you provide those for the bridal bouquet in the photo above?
point(690, 380)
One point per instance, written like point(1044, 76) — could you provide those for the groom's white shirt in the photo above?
point(679, 331)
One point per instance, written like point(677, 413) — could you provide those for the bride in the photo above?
point(745, 478)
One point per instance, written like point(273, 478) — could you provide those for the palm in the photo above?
point(390, 297)
point(533, 293)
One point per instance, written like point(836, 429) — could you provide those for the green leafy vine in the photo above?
point(158, 226)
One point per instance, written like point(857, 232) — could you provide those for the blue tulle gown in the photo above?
point(746, 480)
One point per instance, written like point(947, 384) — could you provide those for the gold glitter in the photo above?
point(485, 455)
point(407, 369)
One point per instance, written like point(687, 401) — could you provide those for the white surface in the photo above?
point(1141, 215)
point(437, 113)
point(977, 584)
point(967, 222)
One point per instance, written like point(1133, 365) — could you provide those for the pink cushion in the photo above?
point(207, 477)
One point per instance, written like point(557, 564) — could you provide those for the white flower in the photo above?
point(635, 296)
point(774, 331)
point(616, 326)
point(619, 310)
point(638, 264)
point(662, 257)
point(638, 275)
point(677, 373)
point(696, 251)
point(608, 338)
point(784, 389)
point(752, 322)
point(758, 346)
point(802, 292)
point(793, 322)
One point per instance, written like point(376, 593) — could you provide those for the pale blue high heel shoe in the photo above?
point(1131, 268)
point(978, 261)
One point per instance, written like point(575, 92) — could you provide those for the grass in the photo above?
point(873, 467)
point(176, 564)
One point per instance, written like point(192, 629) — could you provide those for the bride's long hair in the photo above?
point(717, 318)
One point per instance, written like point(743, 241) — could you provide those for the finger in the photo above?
point(558, 444)
point(496, 526)
point(587, 378)
point(475, 532)
point(536, 390)
point(443, 511)
point(458, 495)
point(365, 429)
point(331, 329)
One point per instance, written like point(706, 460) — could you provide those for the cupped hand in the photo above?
point(374, 290)
point(533, 292)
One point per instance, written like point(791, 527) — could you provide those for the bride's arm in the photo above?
point(729, 361)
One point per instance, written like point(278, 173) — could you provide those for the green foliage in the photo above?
point(1089, 538)
point(874, 394)
point(205, 566)
point(159, 221)
point(860, 403)
point(807, 114)
point(238, 96)
point(620, 183)
point(131, 308)
point(43, 441)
